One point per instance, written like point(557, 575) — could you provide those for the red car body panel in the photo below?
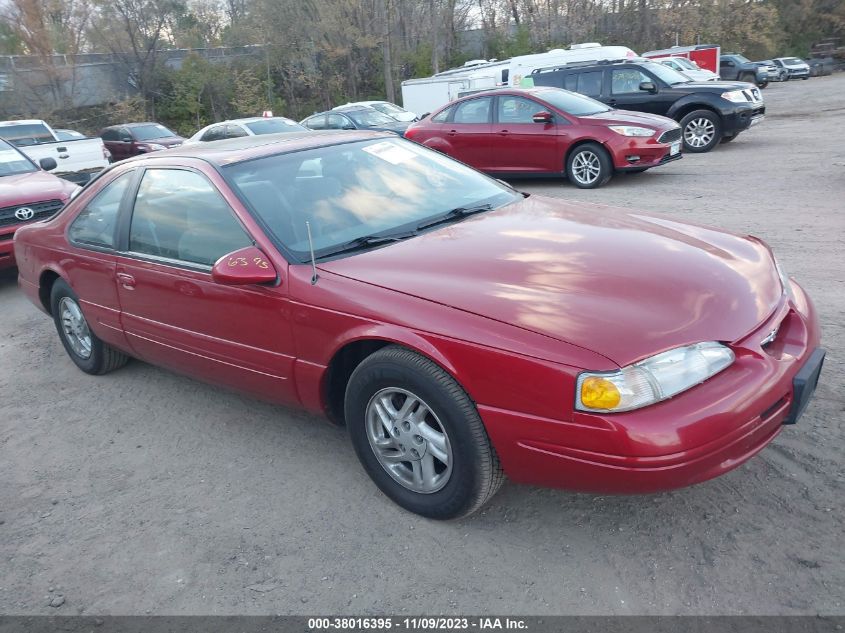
point(22, 191)
point(513, 304)
point(541, 148)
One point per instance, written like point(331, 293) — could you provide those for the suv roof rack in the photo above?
point(591, 62)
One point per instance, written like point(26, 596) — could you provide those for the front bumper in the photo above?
point(695, 436)
point(637, 153)
point(7, 249)
point(741, 117)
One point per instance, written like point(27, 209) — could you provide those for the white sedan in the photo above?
point(253, 126)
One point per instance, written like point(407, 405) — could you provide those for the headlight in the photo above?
point(630, 130)
point(155, 146)
point(784, 280)
point(734, 95)
point(651, 380)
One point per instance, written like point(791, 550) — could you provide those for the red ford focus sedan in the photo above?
point(523, 132)
point(461, 330)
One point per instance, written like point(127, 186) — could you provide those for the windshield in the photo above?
point(12, 162)
point(572, 102)
point(683, 62)
point(151, 131)
point(68, 135)
point(792, 60)
point(25, 134)
point(274, 126)
point(664, 73)
point(353, 190)
point(387, 108)
point(742, 59)
point(368, 118)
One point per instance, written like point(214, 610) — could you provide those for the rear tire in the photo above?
point(702, 131)
point(419, 436)
point(87, 351)
point(589, 166)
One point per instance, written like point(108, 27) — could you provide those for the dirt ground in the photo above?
point(146, 492)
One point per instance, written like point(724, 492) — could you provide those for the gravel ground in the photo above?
point(147, 492)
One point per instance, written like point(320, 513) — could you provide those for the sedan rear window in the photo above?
point(352, 190)
point(274, 126)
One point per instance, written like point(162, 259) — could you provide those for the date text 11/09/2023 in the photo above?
point(416, 624)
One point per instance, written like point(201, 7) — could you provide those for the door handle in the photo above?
point(452, 132)
point(503, 132)
point(127, 281)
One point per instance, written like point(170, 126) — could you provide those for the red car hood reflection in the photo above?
point(628, 117)
point(620, 283)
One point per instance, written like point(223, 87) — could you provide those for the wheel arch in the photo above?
point(584, 141)
point(681, 109)
point(358, 346)
point(46, 280)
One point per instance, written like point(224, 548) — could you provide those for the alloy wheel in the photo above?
point(408, 440)
point(586, 167)
point(699, 132)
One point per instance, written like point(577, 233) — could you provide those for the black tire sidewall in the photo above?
point(604, 160)
point(457, 496)
point(717, 136)
point(94, 363)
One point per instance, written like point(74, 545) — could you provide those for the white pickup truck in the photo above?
point(78, 160)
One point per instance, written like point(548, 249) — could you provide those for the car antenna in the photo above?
point(314, 276)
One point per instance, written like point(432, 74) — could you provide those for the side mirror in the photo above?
point(48, 164)
point(542, 117)
point(648, 86)
point(348, 126)
point(244, 267)
point(126, 139)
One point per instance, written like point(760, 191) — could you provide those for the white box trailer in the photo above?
point(425, 95)
point(422, 96)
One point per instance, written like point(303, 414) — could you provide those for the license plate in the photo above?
point(674, 148)
point(804, 384)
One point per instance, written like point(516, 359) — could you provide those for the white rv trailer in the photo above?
point(428, 94)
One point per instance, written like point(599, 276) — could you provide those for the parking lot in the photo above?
point(146, 492)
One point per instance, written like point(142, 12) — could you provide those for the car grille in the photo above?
point(41, 211)
point(670, 136)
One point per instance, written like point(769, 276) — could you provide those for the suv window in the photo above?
point(626, 80)
point(96, 223)
point(110, 135)
point(570, 82)
point(179, 215)
point(517, 109)
point(473, 111)
point(589, 83)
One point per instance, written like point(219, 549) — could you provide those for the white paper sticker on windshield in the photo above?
point(390, 152)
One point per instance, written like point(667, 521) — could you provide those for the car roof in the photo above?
point(237, 150)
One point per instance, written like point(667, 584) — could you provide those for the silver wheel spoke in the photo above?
point(409, 442)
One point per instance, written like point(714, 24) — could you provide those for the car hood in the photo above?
point(167, 141)
point(623, 284)
point(404, 117)
point(397, 127)
point(629, 117)
point(715, 86)
point(37, 186)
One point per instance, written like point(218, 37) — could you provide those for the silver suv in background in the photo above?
point(796, 68)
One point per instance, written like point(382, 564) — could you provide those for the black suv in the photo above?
point(708, 111)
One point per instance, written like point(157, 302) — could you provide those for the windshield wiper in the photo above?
point(453, 214)
point(365, 242)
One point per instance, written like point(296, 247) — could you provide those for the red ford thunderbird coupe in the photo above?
point(461, 330)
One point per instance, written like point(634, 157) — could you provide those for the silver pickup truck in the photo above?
point(78, 160)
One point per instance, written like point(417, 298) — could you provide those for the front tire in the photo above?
point(702, 130)
point(589, 166)
point(419, 436)
point(87, 351)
